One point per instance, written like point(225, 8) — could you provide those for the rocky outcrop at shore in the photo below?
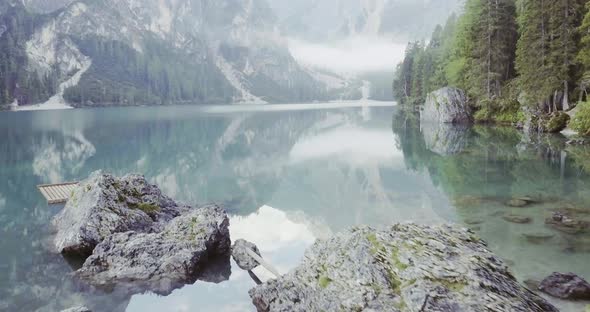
point(447, 105)
point(103, 205)
point(403, 268)
point(161, 261)
point(132, 236)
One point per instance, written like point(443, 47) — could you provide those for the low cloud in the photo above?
point(354, 55)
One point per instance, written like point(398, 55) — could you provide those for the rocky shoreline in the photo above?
point(132, 237)
point(450, 105)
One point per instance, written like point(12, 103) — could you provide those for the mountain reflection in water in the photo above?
point(287, 177)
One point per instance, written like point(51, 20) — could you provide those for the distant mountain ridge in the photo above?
point(157, 52)
point(125, 52)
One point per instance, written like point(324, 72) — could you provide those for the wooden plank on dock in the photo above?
point(57, 193)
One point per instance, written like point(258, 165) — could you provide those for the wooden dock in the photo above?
point(57, 193)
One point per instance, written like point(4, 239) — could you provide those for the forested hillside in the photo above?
point(510, 56)
point(16, 82)
point(159, 75)
point(61, 53)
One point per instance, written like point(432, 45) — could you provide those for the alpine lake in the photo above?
point(288, 175)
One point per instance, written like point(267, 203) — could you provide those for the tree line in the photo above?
point(506, 54)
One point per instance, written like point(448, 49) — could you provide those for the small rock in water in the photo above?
point(566, 286)
point(537, 238)
point(517, 219)
point(517, 203)
point(241, 257)
point(564, 221)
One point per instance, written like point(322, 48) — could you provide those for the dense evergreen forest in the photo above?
point(510, 57)
point(120, 75)
point(16, 81)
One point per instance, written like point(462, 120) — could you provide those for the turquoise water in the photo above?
point(287, 175)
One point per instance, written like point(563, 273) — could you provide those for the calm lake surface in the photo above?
point(288, 175)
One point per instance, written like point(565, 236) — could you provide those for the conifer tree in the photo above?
point(485, 49)
point(546, 51)
point(583, 57)
point(565, 16)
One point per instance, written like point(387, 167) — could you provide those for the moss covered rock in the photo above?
point(557, 122)
point(104, 204)
point(405, 267)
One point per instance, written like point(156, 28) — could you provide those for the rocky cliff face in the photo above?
point(227, 51)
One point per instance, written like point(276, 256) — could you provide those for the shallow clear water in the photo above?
point(288, 175)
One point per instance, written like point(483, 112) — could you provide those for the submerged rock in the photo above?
point(161, 261)
point(517, 203)
point(103, 205)
point(565, 221)
point(403, 268)
point(537, 237)
point(447, 105)
point(566, 286)
point(517, 219)
point(241, 257)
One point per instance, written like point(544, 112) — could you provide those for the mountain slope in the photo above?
point(338, 19)
point(161, 52)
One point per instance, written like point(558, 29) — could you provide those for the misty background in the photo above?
point(160, 52)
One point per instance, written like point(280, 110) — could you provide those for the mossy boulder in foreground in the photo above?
point(403, 268)
point(104, 204)
point(133, 237)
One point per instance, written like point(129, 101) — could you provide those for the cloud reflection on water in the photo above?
point(281, 241)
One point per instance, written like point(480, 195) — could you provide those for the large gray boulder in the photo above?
point(447, 105)
point(161, 262)
point(104, 204)
point(403, 268)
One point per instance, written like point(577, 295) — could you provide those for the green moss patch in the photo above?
point(324, 281)
point(146, 207)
